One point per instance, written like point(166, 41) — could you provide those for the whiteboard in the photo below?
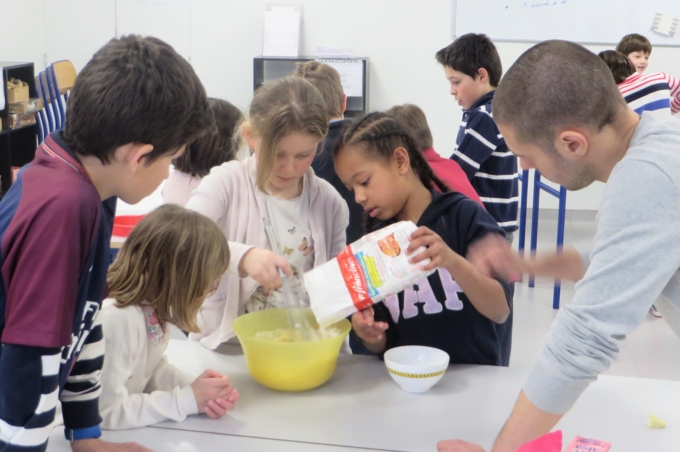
point(69, 21)
point(585, 21)
point(169, 20)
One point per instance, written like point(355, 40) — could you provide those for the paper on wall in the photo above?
point(351, 75)
point(281, 33)
point(665, 24)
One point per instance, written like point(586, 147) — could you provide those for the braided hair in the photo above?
point(379, 135)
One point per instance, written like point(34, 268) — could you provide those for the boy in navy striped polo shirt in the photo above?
point(473, 68)
point(133, 108)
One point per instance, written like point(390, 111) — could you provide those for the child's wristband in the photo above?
point(76, 434)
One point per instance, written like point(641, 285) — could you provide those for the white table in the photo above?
point(185, 441)
point(361, 407)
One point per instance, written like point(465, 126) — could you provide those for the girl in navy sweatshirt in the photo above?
point(456, 309)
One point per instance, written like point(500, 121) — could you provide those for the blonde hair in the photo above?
point(278, 109)
point(171, 260)
point(414, 121)
point(327, 80)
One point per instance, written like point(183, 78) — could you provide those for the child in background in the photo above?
point(123, 128)
point(456, 309)
point(327, 80)
point(172, 260)
point(638, 49)
point(473, 68)
point(643, 92)
point(413, 119)
point(286, 122)
point(203, 154)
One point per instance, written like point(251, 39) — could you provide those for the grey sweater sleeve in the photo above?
point(637, 251)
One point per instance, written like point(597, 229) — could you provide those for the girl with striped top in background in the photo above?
point(643, 92)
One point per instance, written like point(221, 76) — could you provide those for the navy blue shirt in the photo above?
point(324, 168)
point(435, 312)
point(490, 166)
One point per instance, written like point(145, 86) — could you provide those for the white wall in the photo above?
point(76, 29)
point(400, 36)
point(23, 31)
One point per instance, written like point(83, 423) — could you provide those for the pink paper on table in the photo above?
point(552, 442)
point(580, 444)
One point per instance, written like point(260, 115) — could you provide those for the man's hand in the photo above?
point(456, 445)
point(493, 257)
point(97, 445)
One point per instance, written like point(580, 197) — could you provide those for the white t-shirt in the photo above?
point(289, 219)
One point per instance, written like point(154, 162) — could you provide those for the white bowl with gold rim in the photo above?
point(416, 368)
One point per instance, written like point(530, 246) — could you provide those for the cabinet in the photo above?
point(267, 69)
point(17, 146)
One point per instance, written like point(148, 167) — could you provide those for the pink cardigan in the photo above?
point(230, 197)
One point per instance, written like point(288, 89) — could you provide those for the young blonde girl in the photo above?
point(456, 309)
point(286, 121)
point(168, 265)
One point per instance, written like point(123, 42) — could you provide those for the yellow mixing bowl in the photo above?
point(288, 366)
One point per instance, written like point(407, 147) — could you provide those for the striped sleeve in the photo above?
point(80, 397)
point(479, 140)
point(26, 414)
point(674, 84)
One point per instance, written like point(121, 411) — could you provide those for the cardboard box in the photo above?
point(17, 94)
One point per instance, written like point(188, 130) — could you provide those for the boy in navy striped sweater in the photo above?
point(473, 68)
point(133, 108)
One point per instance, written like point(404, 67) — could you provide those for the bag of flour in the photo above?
point(364, 273)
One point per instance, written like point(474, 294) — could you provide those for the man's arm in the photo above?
point(493, 256)
point(637, 251)
point(525, 421)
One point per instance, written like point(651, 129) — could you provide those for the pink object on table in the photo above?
point(552, 442)
point(580, 444)
point(123, 224)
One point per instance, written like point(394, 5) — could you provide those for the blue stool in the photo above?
point(524, 179)
point(561, 194)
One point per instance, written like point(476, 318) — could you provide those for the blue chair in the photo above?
point(39, 126)
point(43, 87)
point(63, 75)
point(54, 95)
point(561, 194)
point(40, 115)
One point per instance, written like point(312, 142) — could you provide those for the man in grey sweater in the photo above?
point(561, 113)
